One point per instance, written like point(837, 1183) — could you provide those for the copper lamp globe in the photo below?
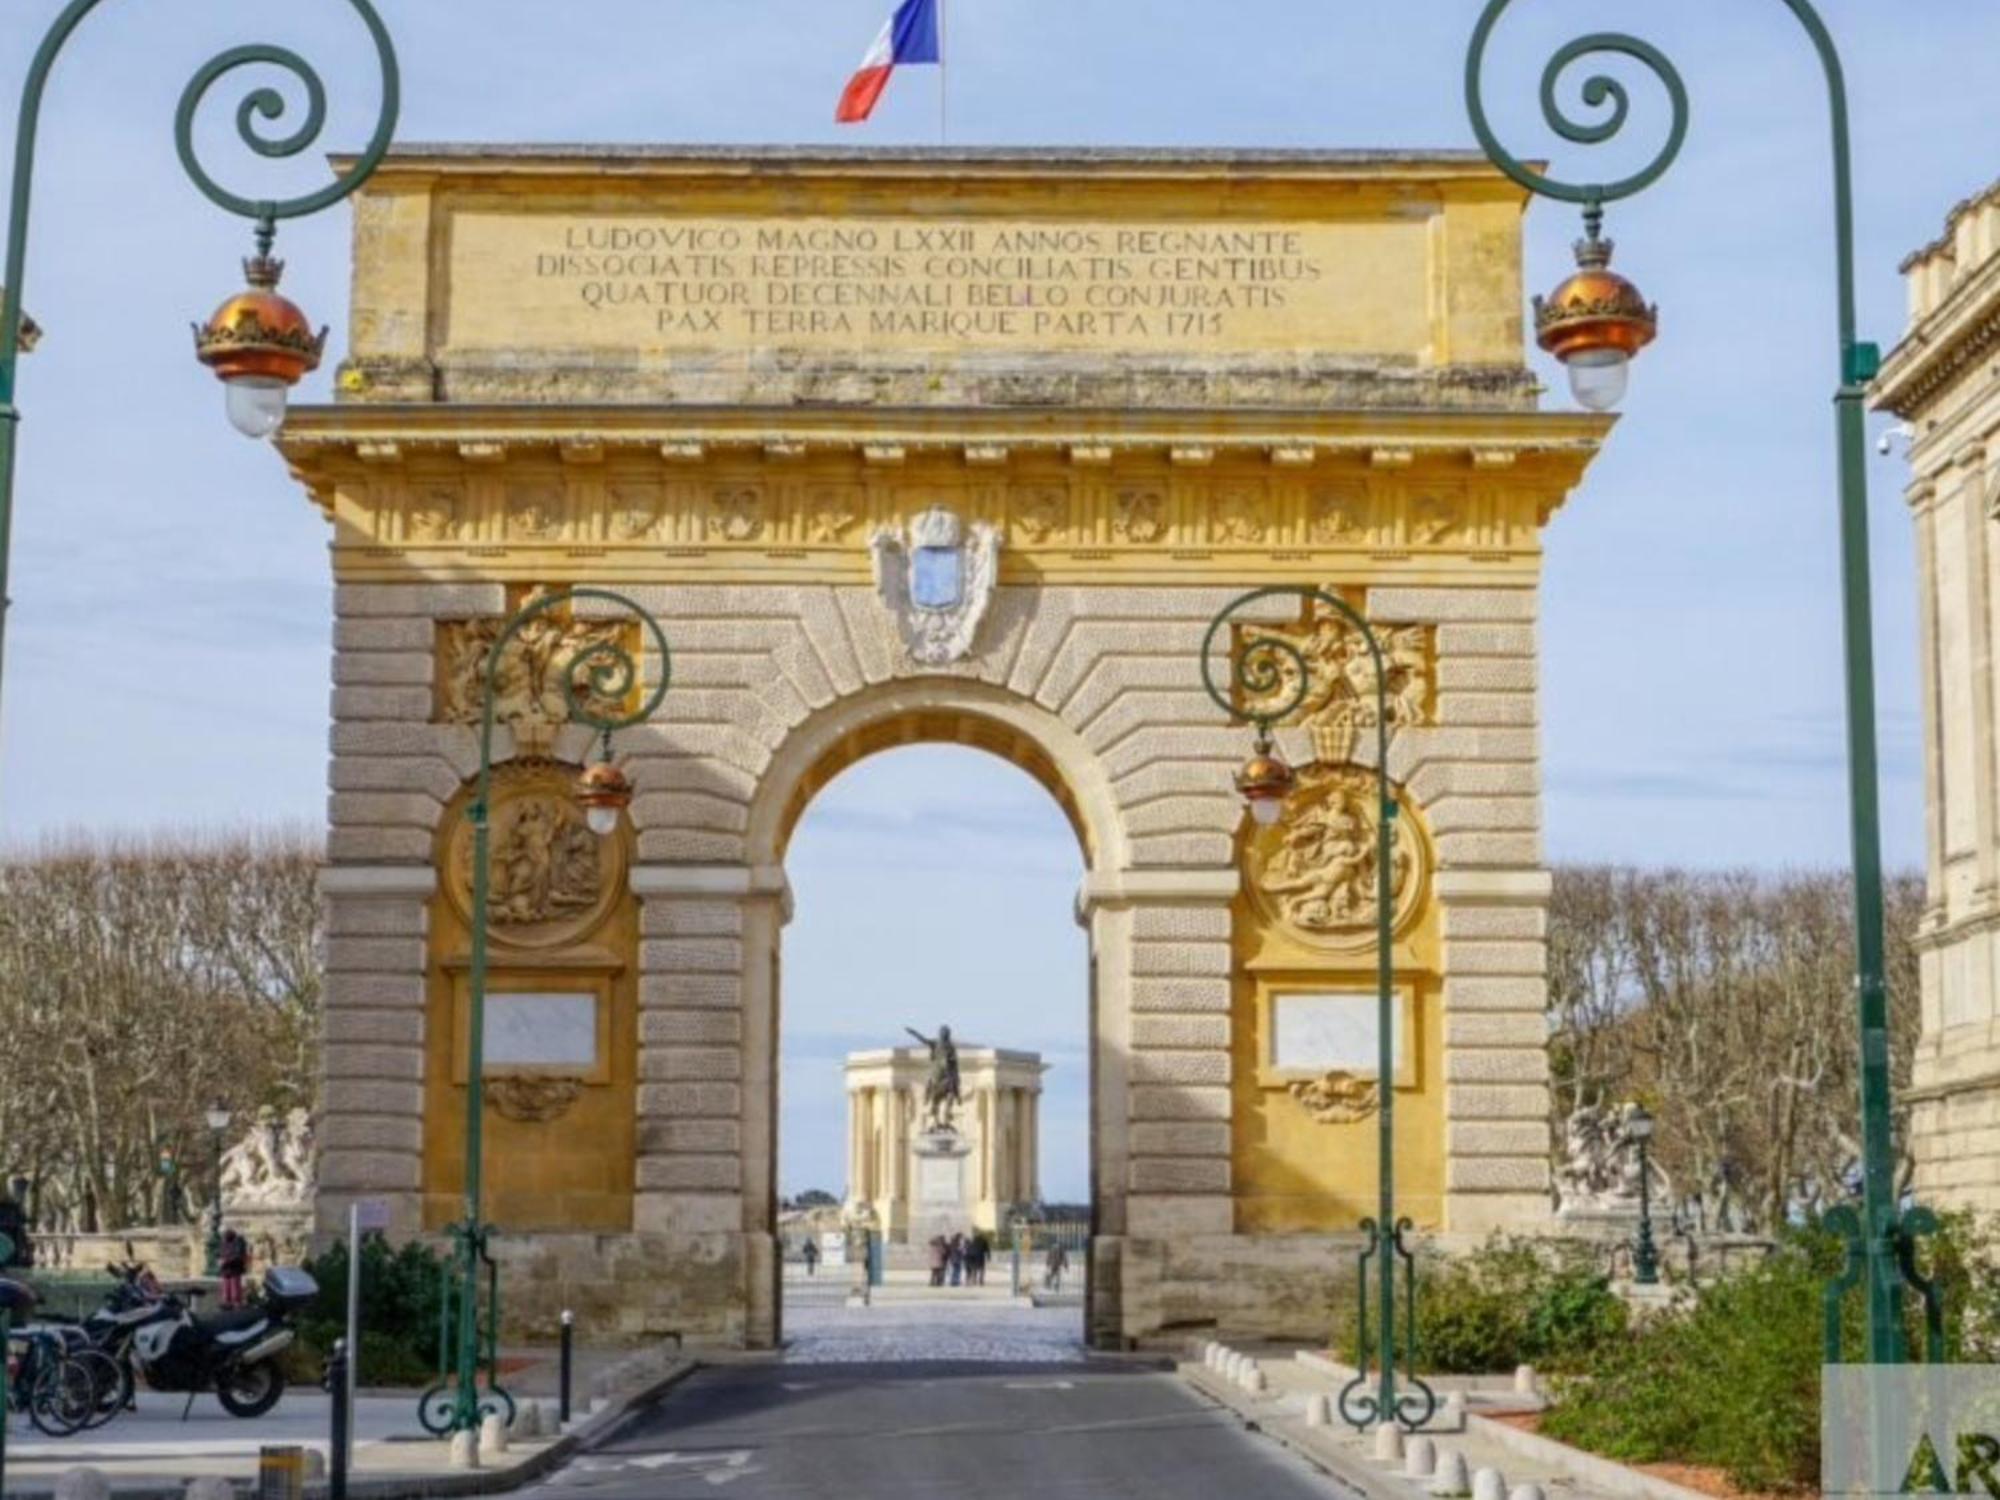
point(603, 792)
point(1595, 322)
point(1265, 781)
point(260, 345)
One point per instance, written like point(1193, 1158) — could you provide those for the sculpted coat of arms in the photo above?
point(937, 577)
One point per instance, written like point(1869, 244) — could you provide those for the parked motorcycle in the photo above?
point(234, 1354)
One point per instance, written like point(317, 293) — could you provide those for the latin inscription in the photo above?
point(842, 284)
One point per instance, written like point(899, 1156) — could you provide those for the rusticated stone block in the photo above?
point(362, 1096)
point(384, 669)
point(1185, 851)
point(1496, 1029)
point(1194, 1139)
point(1500, 710)
point(1496, 1101)
point(1505, 923)
point(1510, 992)
point(1174, 1174)
point(1423, 606)
point(1496, 1174)
point(659, 1213)
point(397, 703)
point(1497, 1138)
point(358, 1132)
point(1181, 924)
point(680, 846)
point(1485, 674)
point(667, 1064)
point(439, 601)
point(385, 633)
point(719, 955)
point(426, 775)
point(1179, 960)
point(1461, 814)
point(672, 1027)
point(1456, 640)
point(396, 1028)
point(378, 955)
point(369, 1171)
point(1181, 995)
point(690, 1100)
point(668, 1136)
point(1150, 1031)
point(371, 845)
point(1208, 1067)
point(697, 1173)
point(353, 916)
point(1157, 1102)
point(1505, 851)
point(341, 1062)
point(1497, 1066)
point(690, 991)
point(1495, 958)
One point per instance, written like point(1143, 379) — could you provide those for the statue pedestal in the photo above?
point(942, 1202)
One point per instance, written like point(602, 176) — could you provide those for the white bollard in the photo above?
point(82, 1484)
point(209, 1488)
point(1526, 1382)
point(1388, 1442)
point(1526, 1492)
point(492, 1435)
point(1489, 1484)
point(1319, 1410)
point(528, 1420)
point(465, 1450)
point(1253, 1381)
point(1211, 1356)
point(1452, 1419)
point(1451, 1478)
point(1420, 1458)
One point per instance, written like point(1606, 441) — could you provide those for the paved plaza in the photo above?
point(962, 1325)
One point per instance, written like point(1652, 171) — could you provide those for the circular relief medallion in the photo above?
point(1314, 871)
point(551, 880)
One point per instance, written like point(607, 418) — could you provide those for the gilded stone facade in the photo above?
point(1316, 377)
point(1944, 381)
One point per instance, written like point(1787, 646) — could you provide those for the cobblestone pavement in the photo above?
point(820, 1329)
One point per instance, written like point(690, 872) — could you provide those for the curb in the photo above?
point(584, 1434)
point(1602, 1474)
point(1336, 1465)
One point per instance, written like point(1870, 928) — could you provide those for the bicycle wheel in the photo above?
point(107, 1385)
point(61, 1400)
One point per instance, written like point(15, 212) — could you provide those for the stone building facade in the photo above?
point(1118, 389)
point(1944, 381)
point(1000, 1121)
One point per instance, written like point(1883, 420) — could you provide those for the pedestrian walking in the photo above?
point(957, 1259)
point(14, 1225)
point(977, 1251)
point(234, 1264)
point(1053, 1267)
point(940, 1252)
point(812, 1256)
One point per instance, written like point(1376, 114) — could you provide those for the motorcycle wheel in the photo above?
point(250, 1390)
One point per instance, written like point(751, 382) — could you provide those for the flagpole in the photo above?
point(944, 76)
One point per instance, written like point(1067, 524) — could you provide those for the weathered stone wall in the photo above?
point(1941, 380)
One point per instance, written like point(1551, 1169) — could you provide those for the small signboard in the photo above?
point(371, 1215)
point(833, 1248)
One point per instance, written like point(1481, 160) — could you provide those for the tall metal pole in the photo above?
point(1255, 693)
point(1886, 1228)
point(596, 674)
point(264, 104)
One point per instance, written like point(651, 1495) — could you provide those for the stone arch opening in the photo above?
point(1000, 1126)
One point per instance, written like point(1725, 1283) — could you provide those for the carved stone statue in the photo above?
point(941, 1094)
point(1319, 868)
point(1340, 698)
point(1599, 1172)
point(272, 1166)
point(545, 863)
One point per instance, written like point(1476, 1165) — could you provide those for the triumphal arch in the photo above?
point(940, 446)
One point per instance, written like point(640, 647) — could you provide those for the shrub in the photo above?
point(401, 1301)
point(1511, 1302)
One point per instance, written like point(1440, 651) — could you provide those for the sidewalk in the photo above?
point(153, 1452)
point(1291, 1380)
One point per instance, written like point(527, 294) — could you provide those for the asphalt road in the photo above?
point(936, 1431)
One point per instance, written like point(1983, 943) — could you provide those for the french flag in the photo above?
point(911, 36)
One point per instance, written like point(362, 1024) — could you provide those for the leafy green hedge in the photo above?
point(1511, 1302)
point(1730, 1377)
point(401, 1295)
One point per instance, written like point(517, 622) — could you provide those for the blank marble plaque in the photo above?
point(1325, 1033)
point(541, 1031)
point(939, 1180)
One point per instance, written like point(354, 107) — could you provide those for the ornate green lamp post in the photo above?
point(1268, 680)
point(1645, 1251)
point(217, 1118)
point(258, 343)
point(597, 674)
point(1595, 323)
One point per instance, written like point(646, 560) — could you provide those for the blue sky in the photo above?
point(167, 658)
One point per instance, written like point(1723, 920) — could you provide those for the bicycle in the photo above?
point(64, 1388)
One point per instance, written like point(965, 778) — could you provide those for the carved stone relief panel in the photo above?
point(1041, 513)
point(1140, 515)
point(833, 511)
point(529, 688)
point(534, 509)
point(736, 513)
point(551, 880)
point(1315, 873)
point(1340, 696)
point(638, 511)
point(1337, 1098)
point(1241, 515)
point(436, 513)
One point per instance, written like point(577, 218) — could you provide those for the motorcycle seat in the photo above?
point(231, 1322)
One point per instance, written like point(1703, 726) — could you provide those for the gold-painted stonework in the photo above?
point(1337, 1098)
point(1314, 872)
point(531, 1099)
point(551, 878)
point(1341, 688)
point(530, 697)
